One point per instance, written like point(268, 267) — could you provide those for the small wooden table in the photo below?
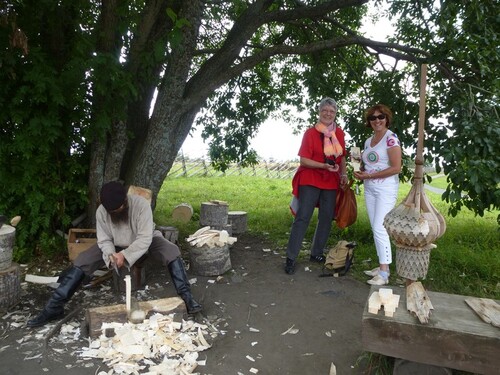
point(455, 336)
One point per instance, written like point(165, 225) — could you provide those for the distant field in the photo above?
point(466, 260)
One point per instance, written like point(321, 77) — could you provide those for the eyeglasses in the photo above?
point(325, 111)
point(373, 118)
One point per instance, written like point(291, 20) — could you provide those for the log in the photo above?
point(210, 261)
point(238, 221)
point(169, 233)
point(143, 192)
point(213, 214)
point(96, 316)
point(182, 213)
point(10, 286)
point(7, 238)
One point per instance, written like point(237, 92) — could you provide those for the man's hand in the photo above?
point(118, 259)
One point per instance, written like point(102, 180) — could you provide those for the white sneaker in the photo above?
point(378, 280)
point(373, 272)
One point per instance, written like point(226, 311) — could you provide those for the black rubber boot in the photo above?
point(54, 309)
point(181, 283)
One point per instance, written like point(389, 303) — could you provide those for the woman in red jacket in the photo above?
point(322, 170)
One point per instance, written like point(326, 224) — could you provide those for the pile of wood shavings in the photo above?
point(159, 345)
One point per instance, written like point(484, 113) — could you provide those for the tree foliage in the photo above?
point(78, 78)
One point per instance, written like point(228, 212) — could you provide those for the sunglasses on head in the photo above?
point(373, 118)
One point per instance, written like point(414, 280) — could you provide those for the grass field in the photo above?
point(466, 260)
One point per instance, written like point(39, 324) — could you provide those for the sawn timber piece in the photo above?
point(487, 309)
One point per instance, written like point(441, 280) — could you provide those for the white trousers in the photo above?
point(379, 201)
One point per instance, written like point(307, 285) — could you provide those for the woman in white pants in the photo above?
point(381, 166)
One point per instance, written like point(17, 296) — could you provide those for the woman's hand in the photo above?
point(332, 168)
point(362, 175)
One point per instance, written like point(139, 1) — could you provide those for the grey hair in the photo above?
point(327, 101)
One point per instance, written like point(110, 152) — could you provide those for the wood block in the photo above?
point(7, 240)
point(455, 336)
point(385, 295)
point(169, 233)
point(238, 221)
point(10, 286)
point(418, 302)
point(213, 214)
point(182, 213)
point(210, 261)
point(143, 192)
point(374, 303)
point(487, 309)
point(118, 313)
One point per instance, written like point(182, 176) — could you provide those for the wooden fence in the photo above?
point(185, 167)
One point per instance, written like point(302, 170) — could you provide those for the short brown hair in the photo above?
point(382, 109)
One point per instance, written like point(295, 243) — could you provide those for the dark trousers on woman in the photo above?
point(309, 198)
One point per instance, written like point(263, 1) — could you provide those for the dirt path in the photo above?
point(252, 308)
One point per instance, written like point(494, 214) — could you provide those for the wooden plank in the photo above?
point(487, 309)
point(118, 313)
point(455, 336)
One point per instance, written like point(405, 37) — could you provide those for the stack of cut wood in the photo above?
point(210, 237)
point(384, 297)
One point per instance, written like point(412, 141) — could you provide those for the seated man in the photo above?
point(125, 232)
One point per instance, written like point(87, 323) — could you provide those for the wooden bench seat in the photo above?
point(455, 337)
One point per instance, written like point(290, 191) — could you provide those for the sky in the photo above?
point(264, 142)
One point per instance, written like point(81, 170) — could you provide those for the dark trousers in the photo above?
point(160, 250)
point(309, 197)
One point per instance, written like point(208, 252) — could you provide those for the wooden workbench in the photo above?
point(455, 336)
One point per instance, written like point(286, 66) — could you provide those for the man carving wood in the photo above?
point(125, 232)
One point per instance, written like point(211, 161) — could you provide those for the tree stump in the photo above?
point(214, 214)
point(7, 238)
point(169, 233)
point(238, 221)
point(210, 261)
point(182, 213)
point(10, 286)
